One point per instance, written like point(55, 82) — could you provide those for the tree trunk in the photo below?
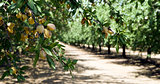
point(83, 45)
point(148, 54)
point(88, 46)
point(100, 44)
point(124, 52)
point(93, 47)
point(109, 49)
point(100, 49)
point(78, 44)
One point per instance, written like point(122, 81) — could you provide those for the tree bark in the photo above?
point(109, 49)
point(88, 46)
point(93, 47)
point(148, 53)
point(83, 45)
point(100, 49)
point(124, 51)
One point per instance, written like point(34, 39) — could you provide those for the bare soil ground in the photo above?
point(93, 68)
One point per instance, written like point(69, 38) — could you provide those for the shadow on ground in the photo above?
point(151, 68)
point(44, 74)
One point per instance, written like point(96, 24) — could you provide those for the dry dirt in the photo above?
point(93, 68)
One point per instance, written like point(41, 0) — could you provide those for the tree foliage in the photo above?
point(32, 27)
point(29, 28)
point(135, 24)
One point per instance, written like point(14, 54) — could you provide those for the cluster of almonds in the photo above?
point(14, 70)
point(39, 29)
point(31, 21)
point(85, 19)
point(47, 31)
point(107, 30)
point(47, 34)
point(10, 27)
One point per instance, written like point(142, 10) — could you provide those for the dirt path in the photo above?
point(91, 69)
point(99, 70)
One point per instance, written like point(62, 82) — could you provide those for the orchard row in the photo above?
point(121, 23)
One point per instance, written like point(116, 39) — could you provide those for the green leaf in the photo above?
point(51, 14)
point(74, 61)
point(32, 49)
point(20, 78)
point(39, 8)
point(4, 59)
point(141, 1)
point(35, 60)
point(72, 67)
point(60, 45)
point(50, 62)
point(37, 50)
point(24, 67)
point(136, 5)
point(10, 71)
point(12, 7)
point(132, 1)
point(150, 2)
point(49, 53)
point(19, 3)
point(117, 47)
point(66, 68)
point(1, 4)
point(21, 72)
point(122, 40)
point(36, 57)
point(54, 44)
point(4, 75)
point(69, 61)
point(31, 4)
